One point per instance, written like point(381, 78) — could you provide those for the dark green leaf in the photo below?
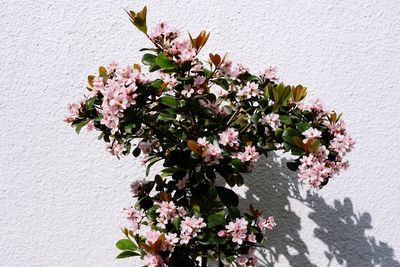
point(169, 101)
point(127, 254)
point(216, 219)
point(227, 196)
point(149, 59)
point(162, 61)
point(126, 245)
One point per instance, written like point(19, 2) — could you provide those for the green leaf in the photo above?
point(80, 125)
point(127, 254)
point(303, 126)
point(176, 222)
point(293, 166)
point(315, 145)
point(90, 102)
point(136, 152)
point(151, 163)
point(233, 212)
point(169, 101)
point(289, 134)
point(216, 219)
point(227, 196)
point(285, 119)
point(162, 61)
point(149, 59)
point(126, 245)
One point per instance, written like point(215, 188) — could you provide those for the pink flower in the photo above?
point(135, 216)
point(237, 230)
point(90, 126)
point(167, 210)
point(249, 155)
point(163, 32)
point(115, 148)
point(212, 154)
point(153, 260)
point(187, 91)
point(271, 119)
point(221, 233)
point(229, 137)
point(182, 50)
point(137, 186)
point(202, 141)
point(270, 74)
point(311, 134)
point(266, 223)
point(190, 226)
point(199, 80)
point(252, 238)
point(152, 236)
point(249, 91)
point(98, 85)
point(74, 110)
point(170, 241)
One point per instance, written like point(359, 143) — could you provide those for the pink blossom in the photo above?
point(152, 236)
point(311, 134)
point(271, 119)
point(202, 141)
point(182, 50)
point(341, 144)
point(190, 226)
point(270, 74)
point(171, 81)
point(170, 241)
point(146, 147)
point(237, 230)
point(111, 67)
point(90, 126)
point(252, 238)
point(163, 33)
point(229, 137)
point(199, 80)
point(167, 210)
point(216, 107)
point(249, 155)
point(153, 260)
point(74, 110)
point(135, 216)
point(264, 223)
point(221, 233)
point(98, 85)
point(249, 91)
point(115, 148)
point(187, 91)
point(212, 153)
point(137, 186)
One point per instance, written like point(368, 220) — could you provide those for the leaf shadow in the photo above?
point(272, 187)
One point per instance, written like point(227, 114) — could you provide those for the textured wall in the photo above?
point(61, 194)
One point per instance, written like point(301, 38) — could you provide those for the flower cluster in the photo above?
point(323, 162)
point(204, 121)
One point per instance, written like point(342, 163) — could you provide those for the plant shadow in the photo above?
point(272, 187)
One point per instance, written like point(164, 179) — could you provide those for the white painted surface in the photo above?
point(61, 194)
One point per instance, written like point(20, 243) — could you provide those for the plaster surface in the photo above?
point(61, 194)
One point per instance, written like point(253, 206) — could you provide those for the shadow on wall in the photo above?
point(338, 227)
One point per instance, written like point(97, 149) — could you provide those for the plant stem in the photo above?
point(220, 264)
point(203, 261)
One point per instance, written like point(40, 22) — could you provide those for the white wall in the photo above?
point(61, 194)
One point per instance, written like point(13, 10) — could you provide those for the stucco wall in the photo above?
point(61, 194)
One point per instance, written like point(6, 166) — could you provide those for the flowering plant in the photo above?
point(208, 123)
